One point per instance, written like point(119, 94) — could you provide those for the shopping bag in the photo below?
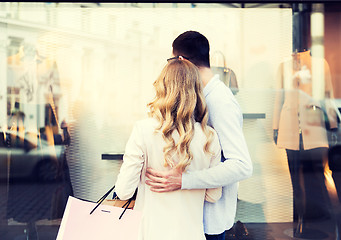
point(106, 222)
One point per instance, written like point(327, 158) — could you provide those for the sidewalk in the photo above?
point(322, 230)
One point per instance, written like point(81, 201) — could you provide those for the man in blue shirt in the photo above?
point(226, 118)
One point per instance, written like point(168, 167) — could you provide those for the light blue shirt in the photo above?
point(226, 118)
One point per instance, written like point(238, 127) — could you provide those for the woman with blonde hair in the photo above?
point(174, 136)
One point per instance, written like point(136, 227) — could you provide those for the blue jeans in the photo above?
point(220, 236)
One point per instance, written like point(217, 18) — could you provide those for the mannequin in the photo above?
point(299, 127)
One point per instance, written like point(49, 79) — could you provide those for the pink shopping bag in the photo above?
point(104, 223)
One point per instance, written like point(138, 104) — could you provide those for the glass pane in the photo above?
point(76, 77)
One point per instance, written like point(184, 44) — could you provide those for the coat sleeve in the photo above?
point(279, 97)
point(329, 98)
point(133, 160)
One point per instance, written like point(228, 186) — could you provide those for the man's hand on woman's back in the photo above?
point(164, 181)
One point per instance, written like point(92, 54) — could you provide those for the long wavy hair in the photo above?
point(179, 103)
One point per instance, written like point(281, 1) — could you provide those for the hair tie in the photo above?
point(178, 57)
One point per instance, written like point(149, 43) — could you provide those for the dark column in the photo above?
point(301, 26)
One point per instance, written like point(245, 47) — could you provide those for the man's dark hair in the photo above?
point(194, 46)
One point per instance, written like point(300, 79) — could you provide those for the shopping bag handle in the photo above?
point(102, 199)
point(125, 206)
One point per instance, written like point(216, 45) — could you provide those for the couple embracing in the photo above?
point(187, 157)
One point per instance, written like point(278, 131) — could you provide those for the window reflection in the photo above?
point(74, 77)
point(226, 74)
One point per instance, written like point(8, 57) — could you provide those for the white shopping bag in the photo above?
point(103, 223)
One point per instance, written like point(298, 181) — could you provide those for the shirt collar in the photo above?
point(211, 84)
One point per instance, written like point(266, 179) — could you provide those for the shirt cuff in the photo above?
point(186, 180)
